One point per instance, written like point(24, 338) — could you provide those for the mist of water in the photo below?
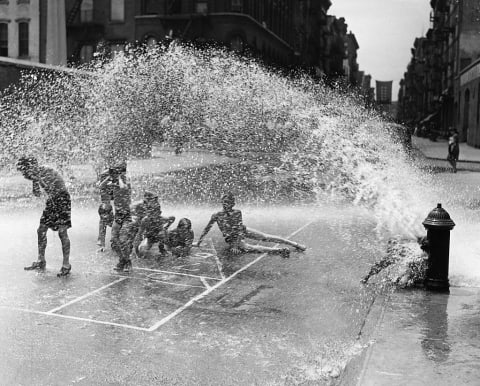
point(313, 136)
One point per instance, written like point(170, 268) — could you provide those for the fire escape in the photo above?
point(81, 30)
point(74, 12)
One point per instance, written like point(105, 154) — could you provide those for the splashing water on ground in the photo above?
point(295, 139)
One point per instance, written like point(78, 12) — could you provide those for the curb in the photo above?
point(355, 369)
point(445, 159)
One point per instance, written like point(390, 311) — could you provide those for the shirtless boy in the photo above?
point(121, 192)
point(57, 213)
point(128, 236)
point(154, 226)
point(230, 223)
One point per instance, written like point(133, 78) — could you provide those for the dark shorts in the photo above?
point(57, 212)
point(155, 237)
point(122, 216)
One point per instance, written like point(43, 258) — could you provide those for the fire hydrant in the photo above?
point(438, 225)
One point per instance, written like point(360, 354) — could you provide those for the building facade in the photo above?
point(20, 29)
point(284, 33)
point(432, 92)
point(468, 102)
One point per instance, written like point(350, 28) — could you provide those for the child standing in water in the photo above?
point(105, 210)
point(154, 226)
point(57, 213)
point(121, 191)
point(230, 223)
point(128, 236)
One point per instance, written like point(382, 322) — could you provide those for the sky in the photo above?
point(385, 31)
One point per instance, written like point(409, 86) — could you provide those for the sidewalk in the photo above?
point(438, 150)
point(417, 337)
point(423, 338)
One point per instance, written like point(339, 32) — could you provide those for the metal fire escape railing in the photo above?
point(74, 11)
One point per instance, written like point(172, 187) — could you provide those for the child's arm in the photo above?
point(138, 237)
point(103, 183)
point(170, 221)
point(36, 189)
point(206, 230)
point(122, 182)
point(37, 183)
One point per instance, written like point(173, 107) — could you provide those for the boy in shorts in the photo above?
point(128, 236)
point(57, 213)
point(230, 223)
point(154, 226)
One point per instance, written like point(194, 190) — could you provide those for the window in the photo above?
point(23, 39)
point(3, 39)
point(201, 7)
point(237, 5)
point(86, 53)
point(86, 11)
point(117, 10)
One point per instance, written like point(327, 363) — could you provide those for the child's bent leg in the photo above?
point(102, 232)
point(284, 252)
point(115, 238)
point(162, 241)
point(257, 235)
point(42, 241)
point(63, 234)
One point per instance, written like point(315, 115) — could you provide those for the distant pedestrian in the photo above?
point(231, 225)
point(453, 149)
point(57, 213)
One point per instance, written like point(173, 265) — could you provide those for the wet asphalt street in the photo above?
point(208, 319)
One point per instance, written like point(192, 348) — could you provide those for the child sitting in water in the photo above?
point(154, 226)
point(230, 223)
point(179, 241)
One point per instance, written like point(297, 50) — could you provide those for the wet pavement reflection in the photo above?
point(206, 319)
point(435, 342)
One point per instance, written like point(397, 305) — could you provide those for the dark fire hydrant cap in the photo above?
point(438, 217)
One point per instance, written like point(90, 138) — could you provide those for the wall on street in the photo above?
point(11, 70)
point(468, 100)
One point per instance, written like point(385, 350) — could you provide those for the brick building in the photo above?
point(20, 29)
point(285, 33)
point(437, 89)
